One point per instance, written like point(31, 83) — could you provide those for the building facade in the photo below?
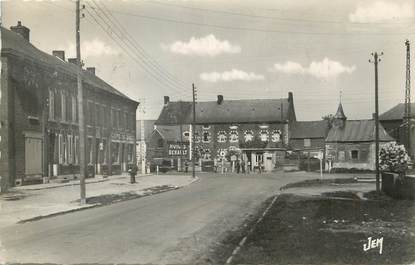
point(254, 131)
point(39, 119)
point(350, 144)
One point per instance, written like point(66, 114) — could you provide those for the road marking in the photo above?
point(242, 242)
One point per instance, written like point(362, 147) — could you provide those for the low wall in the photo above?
point(400, 188)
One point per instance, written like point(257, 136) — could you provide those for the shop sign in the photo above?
point(178, 149)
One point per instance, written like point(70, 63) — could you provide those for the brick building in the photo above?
point(255, 130)
point(394, 123)
point(39, 120)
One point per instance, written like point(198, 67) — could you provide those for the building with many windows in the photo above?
point(39, 135)
point(255, 131)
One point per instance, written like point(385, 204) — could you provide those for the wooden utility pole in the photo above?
point(81, 123)
point(375, 61)
point(142, 136)
point(194, 131)
point(407, 116)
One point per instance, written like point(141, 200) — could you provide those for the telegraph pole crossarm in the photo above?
point(375, 61)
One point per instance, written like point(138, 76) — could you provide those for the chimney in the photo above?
point(91, 70)
point(166, 100)
point(59, 54)
point(21, 30)
point(220, 99)
point(72, 60)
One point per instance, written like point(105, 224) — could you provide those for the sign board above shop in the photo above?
point(178, 149)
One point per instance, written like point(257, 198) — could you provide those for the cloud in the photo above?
point(93, 48)
point(232, 75)
point(205, 46)
point(381, 11)
point(325, 69)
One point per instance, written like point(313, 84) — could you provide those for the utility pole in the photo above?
point(375, 61)
point(80, 95)
point(407, 116)
point(142, 142)
point(194, 131)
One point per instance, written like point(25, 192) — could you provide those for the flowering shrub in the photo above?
point(393, 158)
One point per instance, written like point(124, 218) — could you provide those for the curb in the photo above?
point(36, 218)
point(251, 230)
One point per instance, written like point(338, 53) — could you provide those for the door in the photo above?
point(33, 156)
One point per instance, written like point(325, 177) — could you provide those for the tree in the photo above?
point(329, 118)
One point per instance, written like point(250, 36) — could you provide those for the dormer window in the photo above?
point(276, 136)
point(263, 134)
point(248, 135)
point(222, 137)
point(233, 134)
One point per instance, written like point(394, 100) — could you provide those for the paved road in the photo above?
point(174, 227)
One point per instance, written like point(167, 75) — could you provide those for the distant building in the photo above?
point(394, 123)
point(350, 144)
point(39, 135)
point(309, 136)
point(141, 146)
point(254, 130)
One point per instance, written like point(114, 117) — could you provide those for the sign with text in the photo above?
point(178, 149)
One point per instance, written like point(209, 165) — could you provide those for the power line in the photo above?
point(134, 43)
point(307, 33)
point(142, 59)
point(127, 49)
point(271, 17)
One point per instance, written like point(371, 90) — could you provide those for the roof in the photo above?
point(229, 111)
point(397, 112)
point(357, 131)
point(309, 129)
point(13, 43)
point(340, 113)
point(177, 112)
point(169, 133)
point(148, 128)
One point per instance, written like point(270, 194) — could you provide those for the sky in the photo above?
point(317, 49)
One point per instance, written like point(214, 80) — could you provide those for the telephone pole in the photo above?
point(407, 116)
point(375, 61)
point(194, 131)
point(142, 140)
point(80, 95)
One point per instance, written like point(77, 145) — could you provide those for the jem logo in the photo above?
point(373, 243)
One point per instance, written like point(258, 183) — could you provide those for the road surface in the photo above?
point(179, 226)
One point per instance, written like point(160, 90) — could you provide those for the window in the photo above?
point(104, 151)
point(98, 115)
point(307, 142)
point(222, 137)
point(233, 136)
point(206, 127)
point(74, 109)
point(248, 135)
point(70, 149)
point(186, 135)
point(63, 105)
point(51, 104)
point(60, 148)
point(276, 136)
point(57, 105)
point(130, 150)
point(354, 154)
point(115, 152)
point(69, 108)
point(89, 151)
point(160, 143)
point(206, 137)
point(340, 155)
point(264, 135)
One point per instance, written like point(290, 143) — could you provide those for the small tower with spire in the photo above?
point(339, 119)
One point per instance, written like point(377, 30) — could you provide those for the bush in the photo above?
point(393, 158)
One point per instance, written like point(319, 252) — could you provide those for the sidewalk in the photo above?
point(37, 201)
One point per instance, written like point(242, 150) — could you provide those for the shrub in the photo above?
point(393, 158)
